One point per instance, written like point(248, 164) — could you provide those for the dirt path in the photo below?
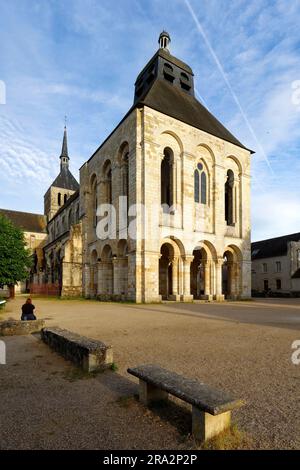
point(244, 348)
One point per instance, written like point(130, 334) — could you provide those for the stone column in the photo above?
point(233, 279)
point(175, 295)
point(207, 281)
point(100, 290)
point(219, 296)
point(186, 272)
point(86, 280)
point(123, 277)
point(116, 279)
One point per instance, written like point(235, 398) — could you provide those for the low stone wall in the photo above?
point(87, 353)
point(18, 327)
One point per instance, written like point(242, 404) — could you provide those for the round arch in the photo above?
point(169, 141)
point(177, 245)
point(208, 248)
point(236, 161)
point(208, 153)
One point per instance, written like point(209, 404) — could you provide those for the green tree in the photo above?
point(15, 258)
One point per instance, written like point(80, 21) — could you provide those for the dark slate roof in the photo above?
point(65, 180)
point(72, 198)
point(169, 100)
point(64, 148)
point(273, 246)
point(26, 221)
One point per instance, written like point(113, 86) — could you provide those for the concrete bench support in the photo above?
point(205, 426)
point(211, 408)
point(19, 327)
point(89, 354)
point(149, 394)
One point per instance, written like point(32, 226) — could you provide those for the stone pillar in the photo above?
point(116, 279)
point(100, 290)
point(123, 277)
point(86, 280)
point(186, 272)
point(149, 393)
point(233, 280)
point(207, 281)
point(219, 296)
point(238, 279)
point(175, 295)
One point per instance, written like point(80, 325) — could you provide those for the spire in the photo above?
point(64, 156)
point(164, 40)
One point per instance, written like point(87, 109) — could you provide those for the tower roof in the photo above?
point(65, 179)
point(64, 148)
point(166, 84)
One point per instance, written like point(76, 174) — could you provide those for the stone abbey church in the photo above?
point(168, 152)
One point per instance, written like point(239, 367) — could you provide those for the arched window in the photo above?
point(166, 178)
point(109, 187)
point(94, 201)
point(107, 176)
point(196, 186)
point(125, 179)
point(168, 72)
point(200, 184)
point(70, 218)
point(229, 200)
point(59, 199)
point(65, 198)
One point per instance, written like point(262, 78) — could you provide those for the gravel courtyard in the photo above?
point(241, 347)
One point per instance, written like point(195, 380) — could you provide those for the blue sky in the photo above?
point(81, 58)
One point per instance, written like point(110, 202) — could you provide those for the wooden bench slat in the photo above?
point(192, 391)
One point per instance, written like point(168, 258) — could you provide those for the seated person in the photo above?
point(27, 311)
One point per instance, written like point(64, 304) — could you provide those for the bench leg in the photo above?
point(205, 426)
point(148, 393)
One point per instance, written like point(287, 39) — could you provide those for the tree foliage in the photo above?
point(15, 258)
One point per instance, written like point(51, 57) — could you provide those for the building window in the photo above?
point(70, 218)
point(184, 82)
point(94, 202)
point(200, 184)
point(264, 268)
point(168, 73)
point(278, 266)
point(166, 178)
point(59, 199)
point(298, 258)
point(65, 198)
point(229, 199)
point(266, 285)
point(278, 284)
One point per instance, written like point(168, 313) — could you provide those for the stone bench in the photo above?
point(87, 353)
point(19, 327)
point(211, 408)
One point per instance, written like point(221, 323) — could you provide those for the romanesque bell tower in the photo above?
point(63, 186)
